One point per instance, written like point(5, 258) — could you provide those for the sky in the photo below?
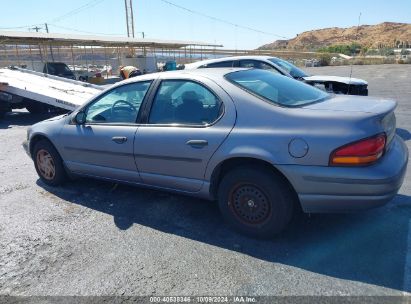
point(273, 19)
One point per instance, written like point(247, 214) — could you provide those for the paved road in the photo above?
point(93, 238)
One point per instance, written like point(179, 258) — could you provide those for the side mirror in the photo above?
point(80, 118)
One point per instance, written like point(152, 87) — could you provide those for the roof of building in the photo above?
point(26, 38)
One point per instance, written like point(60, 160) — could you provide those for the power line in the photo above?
point(37, 28)
point(73, 12)
point(18, 27)
point(222, 20)
point(81, 31)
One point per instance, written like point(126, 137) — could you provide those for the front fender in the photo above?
point(49, 129)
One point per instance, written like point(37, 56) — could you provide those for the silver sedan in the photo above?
point(260, 144)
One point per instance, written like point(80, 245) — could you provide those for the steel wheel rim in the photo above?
point(45, 164)
point(249, 204)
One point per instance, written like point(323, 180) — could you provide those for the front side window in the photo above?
point(120, 105)
point(255, 64)
point(277, 89)
point(184, 102)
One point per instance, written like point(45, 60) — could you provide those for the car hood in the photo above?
point(346, 80)
point(349, 103)
point(56, 117)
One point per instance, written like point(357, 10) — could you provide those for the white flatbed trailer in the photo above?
point(22, 84)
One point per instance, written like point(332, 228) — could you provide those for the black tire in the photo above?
point(36, 108)
point(46, 151)
point(4, 108)
point(255, 201)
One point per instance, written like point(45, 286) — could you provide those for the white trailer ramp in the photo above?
point(52, 90)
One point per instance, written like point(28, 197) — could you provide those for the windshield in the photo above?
point(290, 68)
point(275, 88)
point(58, 69)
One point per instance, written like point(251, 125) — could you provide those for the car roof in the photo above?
point(197, 64)
point(212, 73)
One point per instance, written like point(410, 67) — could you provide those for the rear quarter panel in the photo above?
point(264, 131)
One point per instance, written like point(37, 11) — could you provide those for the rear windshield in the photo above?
point(276, 88)
point(290, 68)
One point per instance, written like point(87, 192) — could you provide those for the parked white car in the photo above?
point(335, 84)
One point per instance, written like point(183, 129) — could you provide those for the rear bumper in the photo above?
point(345, 189)
point(313, 203)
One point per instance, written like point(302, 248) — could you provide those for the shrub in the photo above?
point(325, 59)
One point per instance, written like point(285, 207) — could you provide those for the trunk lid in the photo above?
point(349, 103)
point(377, 109)
point(346, 80)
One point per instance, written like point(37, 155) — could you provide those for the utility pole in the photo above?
point(129, 17)
point(128, 30)
point(132, 17)
point(51, 49)
point(36, 28)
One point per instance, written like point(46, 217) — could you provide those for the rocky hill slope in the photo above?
point(387, 34)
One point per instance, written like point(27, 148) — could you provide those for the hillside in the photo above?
point(387, 34)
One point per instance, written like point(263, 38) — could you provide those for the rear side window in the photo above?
point(223, 64)
point(276, 88)
point(184, 102)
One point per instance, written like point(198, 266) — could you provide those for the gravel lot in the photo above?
point(95, 238)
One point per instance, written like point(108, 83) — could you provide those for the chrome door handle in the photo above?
point(119, 139)
point(197, 143)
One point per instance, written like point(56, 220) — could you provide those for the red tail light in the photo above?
point(363, 152)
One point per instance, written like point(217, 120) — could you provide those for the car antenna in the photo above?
point(352, 59)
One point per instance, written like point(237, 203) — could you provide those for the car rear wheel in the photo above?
point(48, 163)
point(255, 202)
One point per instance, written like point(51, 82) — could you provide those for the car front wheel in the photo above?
point(255, 202)
point(48, 163)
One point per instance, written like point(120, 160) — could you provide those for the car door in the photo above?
point(187, 123)
point(103, 145)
